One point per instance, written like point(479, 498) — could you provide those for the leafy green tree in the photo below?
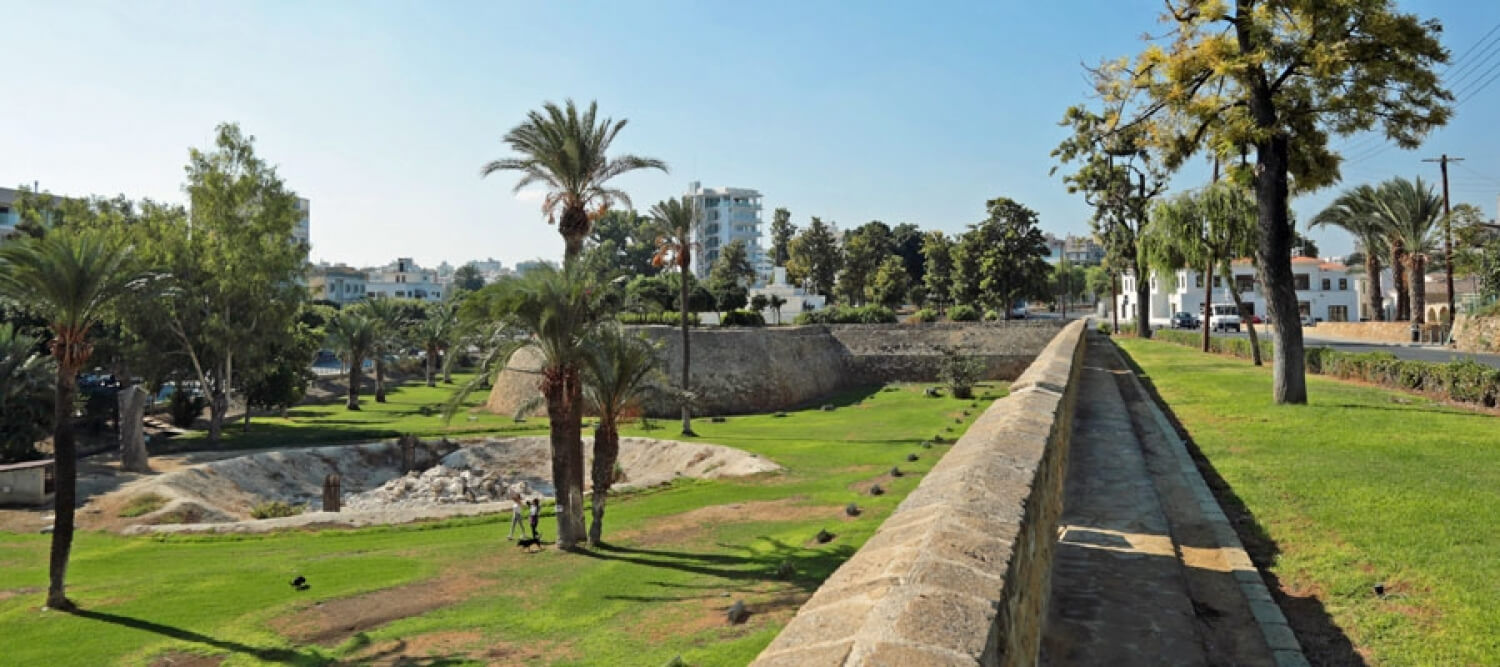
point(619, 369)
point(1357, 211)
point(865, 247)
point(1097, 279)
point(27, 386)
point(906, 241)
point(759, 302)
point(649, 294)
point(621, 243)
point(728, 297)
point(815, 257)
point(676, 218)
point(782, 231)
point(468, 278)
point(1011, 251)
point(1282, 78)
point(566, 151)
point(733, 266)
point(891, 282)
point(937, 253)
point(352, 334)
point(71, 279)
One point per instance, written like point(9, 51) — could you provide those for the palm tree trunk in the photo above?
point(1239, 306)
point(379, 378)
point(564, 395)
point(687, 412)
point(1208, 299)
point(1418, 279)
point(65, 457)
point(431, 357)
point(354, 372)
point(1374, 296)
point(606, 452)
point(1398, 280)
point(574, 227)
point(447, 367)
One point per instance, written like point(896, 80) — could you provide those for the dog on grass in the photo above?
point(531, 544)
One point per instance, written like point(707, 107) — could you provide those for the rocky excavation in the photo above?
point(393, 482)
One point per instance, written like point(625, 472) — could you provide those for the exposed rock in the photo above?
point(911, 457)
point(875, 490)
point(851, 509)
point(737, 613)
point(896, 472)
point(824, 537)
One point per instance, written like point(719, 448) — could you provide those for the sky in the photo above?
point(381, 113)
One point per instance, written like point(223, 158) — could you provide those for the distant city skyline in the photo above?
point(381, 113)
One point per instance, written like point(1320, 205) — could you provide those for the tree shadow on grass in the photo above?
point(1322, 640)
point(264, 654)
point(809, 566)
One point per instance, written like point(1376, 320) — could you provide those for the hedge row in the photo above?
point(848, 315)
point(1464, 381)
point(671, 317)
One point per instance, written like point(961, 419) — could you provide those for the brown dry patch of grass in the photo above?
point(413, 650)
point(885, 480)
point(333, 621)
point(531, 652)
point(688, 526)
point(769, 603)
point(13, 592)
point(184, 659)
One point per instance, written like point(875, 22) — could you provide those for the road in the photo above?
point(1415, 353)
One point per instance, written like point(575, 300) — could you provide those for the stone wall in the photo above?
point(960, 572)
point(740, 370)
point(1375, 332)
point(1476, 335)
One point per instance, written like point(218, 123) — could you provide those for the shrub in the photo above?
point(926, 315)
point(274, 509)
point(849, 315)
point(743, 318)
point(992, 316)
point(960, 373)
point(142, 505)
point(671, 317)
point(185, 409)
point(963, 313)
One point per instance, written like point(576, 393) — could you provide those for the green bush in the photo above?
point(185, 409)
point(849, 315)
point(671, 317)
point(142, 505)
point(275, 509)
point(963, 313)
point(992, 316)
point(743, 318)
point(926, 315)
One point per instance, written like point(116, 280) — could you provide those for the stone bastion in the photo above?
point(746, 370)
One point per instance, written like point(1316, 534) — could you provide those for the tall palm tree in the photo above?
point(1357, 211)
point(566, 151)
point(618, 370)
point(70, 279)
point(28, 382)
point(351, 333)
point(435, 334)
point(388, 316)
point(676, 217)
point(1410, 212)
point(558, 310)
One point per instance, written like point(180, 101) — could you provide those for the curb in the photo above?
point(1273, 625)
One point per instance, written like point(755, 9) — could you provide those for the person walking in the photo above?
point(517, 493)
point(535, 510)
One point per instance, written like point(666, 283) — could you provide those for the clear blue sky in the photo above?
point(382, 112)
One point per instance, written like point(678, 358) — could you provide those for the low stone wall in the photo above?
point(1375, 332)
point(960, 572)
point(1476, 335)
point(740, 370)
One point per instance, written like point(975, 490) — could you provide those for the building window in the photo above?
point(1327, 284)
point(1304, 308)
point(1244, 283)
point(1153, 283)
point(1338, 313)
point(1218, 282)
point(1198, 280)
point(1343, 285)
point(1302, 281)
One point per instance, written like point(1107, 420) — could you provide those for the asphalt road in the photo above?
point(1415, 353)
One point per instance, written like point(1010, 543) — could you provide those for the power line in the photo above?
point(1471, 48)
point(1456, 69)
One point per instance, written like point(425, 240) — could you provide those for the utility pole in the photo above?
point(1447, 234)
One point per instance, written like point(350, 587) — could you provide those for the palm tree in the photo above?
point(70, 279)
point(559, 310)
point(566, 151)
point(618, 370)
point(1357, 211)
point(435, 334)
point(776, 303)
point(27, 385)
point(351, 333)
point(388, 316)
point(676, 218)
point(1409, 212)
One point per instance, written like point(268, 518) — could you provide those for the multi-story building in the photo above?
point(339, 283)
point(302, 230)
point(403, 279)
point(9, 217)
point(726, 215)
point(1324, 291)
point(1082, 250)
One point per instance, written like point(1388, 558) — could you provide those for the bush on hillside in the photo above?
point(963, 313)
point(743, 318)
point(849, 315)
point(671, 317)
point(924, 315)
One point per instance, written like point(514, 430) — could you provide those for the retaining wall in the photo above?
point(1476, 335)
point(1375, 332)
point(960, 573)
point(740, 370)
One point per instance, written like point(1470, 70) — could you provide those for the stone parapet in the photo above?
point(959, 573)
point(1476, 335)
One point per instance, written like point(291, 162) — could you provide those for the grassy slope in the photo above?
point(1359, 487)
point(410, 408)
point(658, 592)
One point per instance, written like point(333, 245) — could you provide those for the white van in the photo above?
point(1225, 317)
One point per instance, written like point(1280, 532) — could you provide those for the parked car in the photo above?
point(1255, 319)
point(1308, 321)
point(1225, 317)
point(1185, 320)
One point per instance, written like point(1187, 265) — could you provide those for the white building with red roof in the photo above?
point(1325, 291)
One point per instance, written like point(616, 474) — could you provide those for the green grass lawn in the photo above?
point(411, 408)
point(676, 558)
point(1361, 486)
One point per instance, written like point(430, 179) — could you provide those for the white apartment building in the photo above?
point(340, 283)
point(403, 279)
point(1325, 291)
point(9, 217)
point(302, 229)
point(726, 215)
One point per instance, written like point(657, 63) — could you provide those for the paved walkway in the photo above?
point(1139, 577)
